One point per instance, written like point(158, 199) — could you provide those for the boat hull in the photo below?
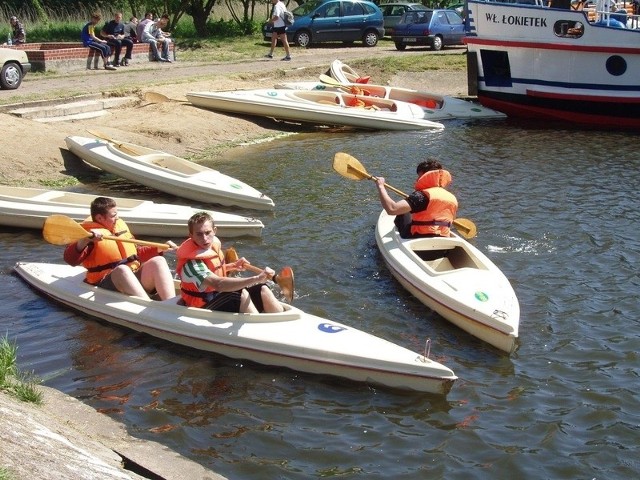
point(435, 107)
point(323, 108)
point(293, 339)
point(168, 173)
point(535, 63)
point(30, 207)
point(454, 279)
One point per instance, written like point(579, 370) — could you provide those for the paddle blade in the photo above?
point(230, 255)
point(349, 167)
point(465, 227)
point(285, 281)
point(155, 97)
point(330, 80)
point(62, 230)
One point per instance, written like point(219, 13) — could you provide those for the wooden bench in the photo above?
point(73, 56)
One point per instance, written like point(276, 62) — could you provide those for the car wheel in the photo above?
point(370, 38)
point(400, 46)
point(10, 76)
point(302, 38)
point(437, 43)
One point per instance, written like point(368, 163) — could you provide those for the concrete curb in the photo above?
point(66, 439)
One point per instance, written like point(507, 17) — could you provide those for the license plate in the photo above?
point(409, 39)
point(267, 34)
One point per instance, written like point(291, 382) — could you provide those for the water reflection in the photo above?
point(556, 211)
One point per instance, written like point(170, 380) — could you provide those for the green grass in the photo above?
point(22, 385)
point(6, 474)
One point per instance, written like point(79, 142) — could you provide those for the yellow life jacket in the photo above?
point(213, 259)
point(441, 209)
point(108, 254)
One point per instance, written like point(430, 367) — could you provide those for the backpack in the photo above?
point(288, 18)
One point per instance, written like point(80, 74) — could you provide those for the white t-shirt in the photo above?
point(278, 10)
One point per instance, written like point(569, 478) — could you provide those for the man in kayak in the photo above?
point(203, 273)
point(121, 266)
point(430, 210)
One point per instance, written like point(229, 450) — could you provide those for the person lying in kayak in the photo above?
point(120, 266)
point(203, 274)
point(430, 210)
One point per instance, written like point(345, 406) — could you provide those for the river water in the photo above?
point(557, 211)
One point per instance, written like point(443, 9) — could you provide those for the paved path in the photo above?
point(146, 74)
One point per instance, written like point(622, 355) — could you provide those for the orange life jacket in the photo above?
point(108, 254)
point(441, 209)
point(213, 259)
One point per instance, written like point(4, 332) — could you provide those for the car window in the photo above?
point(454, 18)
point(368, 9)
point(417, 17)
point(441, 19)
point(351, 8)
point(329, 10)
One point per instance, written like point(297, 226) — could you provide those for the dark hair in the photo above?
point(101, 205)
point(198, 219)
point(428, 165)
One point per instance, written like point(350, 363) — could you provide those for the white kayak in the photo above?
point(456, 280)
point(30, 207)
point(316, 107)
point(168, 173)
point(345, 74)
point(292, 339)
point(435, 107)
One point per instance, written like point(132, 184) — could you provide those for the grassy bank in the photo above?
point(22, 385)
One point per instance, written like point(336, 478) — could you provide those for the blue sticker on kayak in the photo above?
point(329, 328)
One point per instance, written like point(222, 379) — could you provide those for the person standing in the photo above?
point(279, 29)
point(203, 273)
point(119, 266)
point(113, 33)
point(18, 33)
point(89, 39)
point(432, 208)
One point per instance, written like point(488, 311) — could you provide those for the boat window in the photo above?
point(496, 68)
point(568, 29)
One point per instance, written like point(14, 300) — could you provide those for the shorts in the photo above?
point(107, 282)
point(278, 30)
point(230, 301)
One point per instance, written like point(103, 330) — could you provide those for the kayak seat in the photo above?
point(447, 259)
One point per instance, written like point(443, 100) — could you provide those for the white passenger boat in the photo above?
point(167, 173)
point(456, 280)
point(435, 107)
point(30, 207)
point(316, 107)
point(572, 66)
point(292, 339)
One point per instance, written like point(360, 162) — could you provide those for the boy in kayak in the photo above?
point(120, 266)
point(430, 210)
point(203, 272)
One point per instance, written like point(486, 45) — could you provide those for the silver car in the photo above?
point(15, 65)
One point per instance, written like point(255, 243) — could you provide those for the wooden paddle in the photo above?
point(284, 278)
point(62, 230)
point(331, 81)
point(351, 168)
point(155, 97)
point(121, 146)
